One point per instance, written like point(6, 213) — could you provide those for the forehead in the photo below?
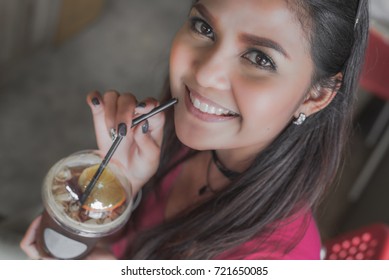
point(275, 19)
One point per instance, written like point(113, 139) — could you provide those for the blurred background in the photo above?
point(53, 52)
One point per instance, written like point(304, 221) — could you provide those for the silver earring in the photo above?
point(301, 119)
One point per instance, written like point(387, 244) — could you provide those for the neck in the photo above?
point(236, 160)
point(217, 177)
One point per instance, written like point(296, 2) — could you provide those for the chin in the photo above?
point(192, 141)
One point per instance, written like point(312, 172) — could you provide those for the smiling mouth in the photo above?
point(210, 109)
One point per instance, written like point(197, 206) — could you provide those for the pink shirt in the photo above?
point(307, 247)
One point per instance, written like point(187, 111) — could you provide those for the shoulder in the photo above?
point(296, 238)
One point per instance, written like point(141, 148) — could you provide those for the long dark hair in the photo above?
point(294, 170)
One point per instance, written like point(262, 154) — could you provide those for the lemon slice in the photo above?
point(107, 194)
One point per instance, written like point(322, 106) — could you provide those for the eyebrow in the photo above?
point(247, 38)
point(263, 42)
point(204, 12)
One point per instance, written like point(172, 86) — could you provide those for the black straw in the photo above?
point(122, 131)
point(156, 110)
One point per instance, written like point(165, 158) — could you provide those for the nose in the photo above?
point(212, 69)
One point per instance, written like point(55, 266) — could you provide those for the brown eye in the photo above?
point(260, 59)
point(201, 27)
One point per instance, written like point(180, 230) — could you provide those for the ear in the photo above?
point(320, 96)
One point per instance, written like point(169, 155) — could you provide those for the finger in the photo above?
point(156, 126)
point(28, 243)
point(110, 108)
point(148, 149)
point(148, 153)
point(156, 122)
point(125, 109)
point(146, 105)
point(100, 254)
point(95, 102)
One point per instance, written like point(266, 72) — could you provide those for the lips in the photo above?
point(207, 107)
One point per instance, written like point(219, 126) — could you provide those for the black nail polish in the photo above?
point(95, 101)
point(141, 105)
point(122, 129)
point(145, 127)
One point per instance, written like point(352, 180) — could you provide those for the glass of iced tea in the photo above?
point(69, 229)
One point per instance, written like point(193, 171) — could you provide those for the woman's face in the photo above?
point(241, 70)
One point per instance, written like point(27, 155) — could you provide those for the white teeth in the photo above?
point(204, 107)
point(209, 109)
point(196, 103)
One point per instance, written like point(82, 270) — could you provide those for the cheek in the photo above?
point(175, 55)
point(269, 116)
point(268, 105)
point(180, 56)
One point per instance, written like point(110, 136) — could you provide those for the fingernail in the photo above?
point(95, 101)
point(141, 105)
point(145, 127)
point(122, 129)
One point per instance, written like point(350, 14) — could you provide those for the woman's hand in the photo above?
point(28, 243)
point(29, 246)
point(139, 150)
point(100, 253)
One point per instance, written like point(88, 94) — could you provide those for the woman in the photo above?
point(265, 92)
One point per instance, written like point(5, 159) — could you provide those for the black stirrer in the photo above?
point(122, 131)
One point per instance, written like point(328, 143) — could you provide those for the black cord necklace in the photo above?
point(224, 170)
point(229, 174)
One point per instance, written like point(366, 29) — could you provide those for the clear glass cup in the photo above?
point(70, 230)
